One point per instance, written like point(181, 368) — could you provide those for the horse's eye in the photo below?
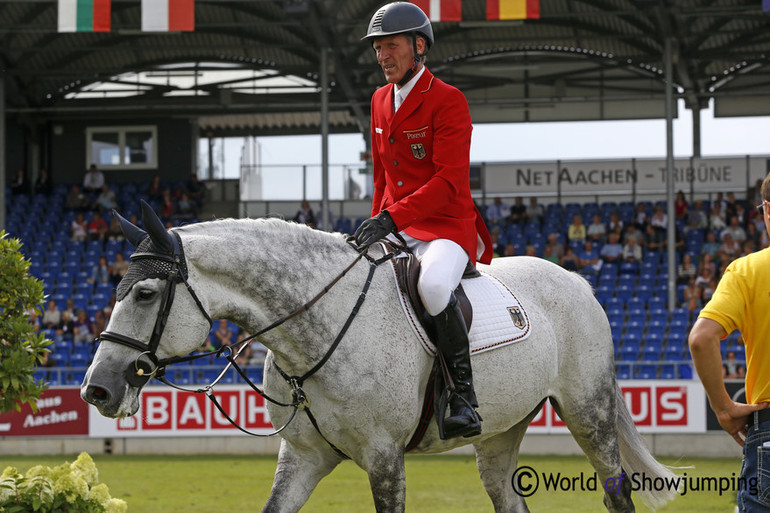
point(145, 294)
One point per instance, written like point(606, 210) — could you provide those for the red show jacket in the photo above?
point(421, 159)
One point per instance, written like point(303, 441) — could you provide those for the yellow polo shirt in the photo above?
point(742, 302)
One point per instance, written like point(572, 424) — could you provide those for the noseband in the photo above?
point(138, 373)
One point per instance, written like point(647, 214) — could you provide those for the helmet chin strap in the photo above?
point(415, 66)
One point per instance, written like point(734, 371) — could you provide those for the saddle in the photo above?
point(437, 391)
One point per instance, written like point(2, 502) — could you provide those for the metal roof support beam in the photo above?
point(696, 131)
point(670, 234)
point(325, 214)
point(2, 150)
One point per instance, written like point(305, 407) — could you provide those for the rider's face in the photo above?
point(395, 55)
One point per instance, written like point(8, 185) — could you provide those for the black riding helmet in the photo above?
point(401, 18)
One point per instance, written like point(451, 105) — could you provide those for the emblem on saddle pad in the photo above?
point(518, 319)
point(418, 151)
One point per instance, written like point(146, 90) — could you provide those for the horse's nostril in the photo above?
point(96, 394)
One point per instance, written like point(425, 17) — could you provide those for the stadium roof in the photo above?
point(252, 66)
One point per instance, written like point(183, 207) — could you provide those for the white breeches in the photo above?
point(442, 264)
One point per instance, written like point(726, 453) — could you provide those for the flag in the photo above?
point(766, 5)
point(514, 9)
point(168, 15)
point(441, 10)
point(84, 15)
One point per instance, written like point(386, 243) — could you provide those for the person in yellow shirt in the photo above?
point(741, 302)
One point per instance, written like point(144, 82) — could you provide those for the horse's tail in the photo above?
point(638, 461)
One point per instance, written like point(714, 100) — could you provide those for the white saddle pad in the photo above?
point(499, 318)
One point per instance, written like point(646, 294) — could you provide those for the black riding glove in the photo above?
point(374, 229)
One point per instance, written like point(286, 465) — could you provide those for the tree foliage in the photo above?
point(21, 349)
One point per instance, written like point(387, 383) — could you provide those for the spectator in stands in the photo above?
point(742, 215)
point(717, 218)
point(83, 330)
point(43, 183)
point(685, 270)
point(97, 228)
point(101, 272)
point(99, 322)
point(589, 259)
point(659, 219)
point(730, 205)
point(616, 224)
point(518, 212)
point(632, 252)
point(20, 185)
point(707, 262)
point(167, 207)
point(708, 289)
point(570, 261)
point(612, 252)
point(106, 200)
point(114, 231)
point(733, 366)
point(557, 248)
point(754, 194)
point(548, 255)
point(705, 274)
point(305, 215)
point(753, 236)
point(596, 231)
point(633, 233)
point(535, 211)
point(78, 228)
point(693, 295)
point(66, 328)
point(498, 212)
point(576, 233)
point(696, 217)
point(530, 251)
point(711, 246)
point(51, 316)
point(155, 190)
point(76, 199)
point(69, 309)
point(680, 206)
point(244, 354)
point(748, 248)
point(118, 269)
point(223, 336)
point(641, 220)
point(93, 180)
point(196, 191)
point(735, 230)
point(654, 241)
point(186, 208)
point(729, 250)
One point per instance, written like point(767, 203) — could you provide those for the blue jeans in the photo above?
point(754, 495)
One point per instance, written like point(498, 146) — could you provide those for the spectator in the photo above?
point(576, 233)
point(633, 233)
point(305, 215)
point(659, 219)
point(685, 270)
point(106, 200)
point(589, 259)
point(733, 367)
point(185, 208)
point(548, 255)
point(118, 269)
point(498, 211)
point(101, 272)
point(730, 206)
point(70, 309)
point(680, 207)
point(196, 191)
point(641, 219)
point(569, 261)
point(167, 208)
point(616, 224)
point(52, 316)
point(693, 295)
point(557, 248)
point(729, 250)
point(735, 230)
point(530, 251)
point(597, 232)
point(509, 250)
point(654, 241)
point(535, 211)
point(66, 328)
point(707, 262)
point(114, 231)
point(632, 252)
point(612, 251)
point(705, 274)
point(83, 330)
point(708, 289)
point(43, 183)
point(717, 218)
point(100, 322)
point(20, 184)
point(697, 217)
point(78, 228)
point(753, 236)
point(76, 200)
point(518, 212)
point(223, 336)
point(97, 228)
point(155, 190)
point(93, 181)
point(711, 246)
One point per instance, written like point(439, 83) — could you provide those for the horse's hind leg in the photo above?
point(497, 458)
point(592, 422)
point(296, 476)
point(385, 466)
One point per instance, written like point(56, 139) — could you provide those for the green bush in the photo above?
point(67, 488)
point(21, 349)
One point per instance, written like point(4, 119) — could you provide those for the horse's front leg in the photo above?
point(296, 476)
point(387, 478)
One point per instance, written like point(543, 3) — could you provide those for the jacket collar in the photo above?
point(413, 100)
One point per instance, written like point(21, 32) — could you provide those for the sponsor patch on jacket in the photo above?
point(378, 130)
point(418, 133)
point(418, 151)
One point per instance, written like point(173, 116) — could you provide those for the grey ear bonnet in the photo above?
point(155, 252)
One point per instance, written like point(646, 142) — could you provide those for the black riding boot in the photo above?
point(452, 341)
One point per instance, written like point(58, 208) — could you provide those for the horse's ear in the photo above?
point(133, 233)
point(157, 231)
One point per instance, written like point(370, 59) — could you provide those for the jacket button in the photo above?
point(391, 140)
point(395, 162)
point(400, 183)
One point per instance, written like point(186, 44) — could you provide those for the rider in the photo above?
point(421, 134)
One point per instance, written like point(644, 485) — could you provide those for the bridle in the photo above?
point(140, 371)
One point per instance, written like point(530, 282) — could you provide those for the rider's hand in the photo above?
point(374, 229)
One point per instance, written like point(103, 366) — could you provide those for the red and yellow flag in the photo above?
point(513, 9)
